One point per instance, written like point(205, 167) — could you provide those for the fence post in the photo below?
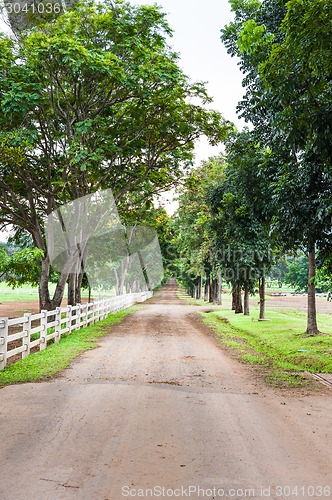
point(68, 316)
point(3, 342)
point(58, 325)
point(98, 310)
point(85, 317)
point(26, 335)
point(43, 330)
point(78, 318)
point(92, 312)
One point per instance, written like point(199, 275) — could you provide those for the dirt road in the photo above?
point(160, 405)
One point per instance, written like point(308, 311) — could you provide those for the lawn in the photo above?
point(25, 293)
point(7, 294)
point(276, 346)
point(45, 364)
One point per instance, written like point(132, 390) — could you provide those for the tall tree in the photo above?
point(193, 230)
point(242, 222)
point(284, 49)
point(93, 99)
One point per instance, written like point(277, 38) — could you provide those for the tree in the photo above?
point(242, 223)
point(297, 78)
point(283, 53)
point(21, 268)
point(93, 99)
point(194, 234)
point(297, 75)
point(165, 229)
point(279, 270)
point(192, 239)
point(297, 276)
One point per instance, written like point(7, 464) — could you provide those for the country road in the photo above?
point(160, 405)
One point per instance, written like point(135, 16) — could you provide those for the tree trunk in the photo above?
point(246, 300)
point(238, 304)
point(219, 292)
point(207, 287)
point(215, 290)
point(233, 297)
point(312, 317)
point(116, 282)
point(44, 294)
point(89, 300)
point(201, 287)
point(262, 297)
point(210, 290)
point(72, 289)
point(78, 288)
point(45, 301)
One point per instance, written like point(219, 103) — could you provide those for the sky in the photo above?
point(196, 38)
point(203, 57)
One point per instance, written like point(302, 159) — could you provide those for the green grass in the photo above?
point(45, 364)
point(275, 345)
point(26, 293)
point(272, 346)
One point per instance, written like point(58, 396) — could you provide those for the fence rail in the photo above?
point(37, 329)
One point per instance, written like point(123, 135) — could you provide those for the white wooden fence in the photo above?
point(52, 324)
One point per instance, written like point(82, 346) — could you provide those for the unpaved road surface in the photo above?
point(160, 405)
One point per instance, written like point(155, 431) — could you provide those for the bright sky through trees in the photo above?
point(196, 37)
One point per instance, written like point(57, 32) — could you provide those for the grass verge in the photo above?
point(45, 364)
point(275, 346)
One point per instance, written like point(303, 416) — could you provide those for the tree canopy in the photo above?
point(94, 99)
point(285, 54)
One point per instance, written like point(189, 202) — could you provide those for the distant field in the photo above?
point(26, 293)
point(7, 294)
point(271, 286)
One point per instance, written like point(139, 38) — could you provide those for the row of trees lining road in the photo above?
point(276, 192)
point(193, 234)
point(94, 99)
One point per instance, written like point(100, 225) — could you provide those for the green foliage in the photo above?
point(279, 270)
point(95, 99)
point(165, 231)
point(297, 276)
point(22, 267)
point(192, 222)
point(253, 37)
point(285, 52)
point(297, 76)
point(242, 205)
